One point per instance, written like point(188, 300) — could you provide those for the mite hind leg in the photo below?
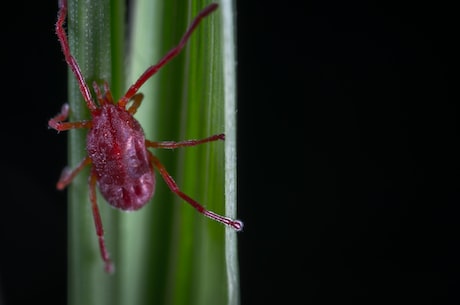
point(68, 174)
point(109, 267)
point(237, 225)
point(172, 145)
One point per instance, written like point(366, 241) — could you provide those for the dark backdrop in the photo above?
point(348, 157)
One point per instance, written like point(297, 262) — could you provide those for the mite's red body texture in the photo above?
point(121, 165)
point(121, 162)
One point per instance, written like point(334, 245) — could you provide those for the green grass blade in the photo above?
point(95, 43)
point(189, 261)
point(166, 253)
point(228, 41)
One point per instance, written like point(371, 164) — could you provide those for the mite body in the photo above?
point(120, 160)
point(122, 167)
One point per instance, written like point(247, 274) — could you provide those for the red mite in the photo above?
point(121, 165)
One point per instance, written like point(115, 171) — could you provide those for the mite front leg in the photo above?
point(62, 36)
point(137, 100)
point(57, 124)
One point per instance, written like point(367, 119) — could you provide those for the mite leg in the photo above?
point(103, 99)
point(100, 99)
point(109, 268)
point(107, 94)
point(137, 100)
point(62, 36)
point(57, 124)
point(235, 224)
point(68, 175)
point(172, 145)
point(170, 55)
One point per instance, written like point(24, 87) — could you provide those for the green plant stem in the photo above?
point(228, 41)
point(92, 39)
point(165, 253)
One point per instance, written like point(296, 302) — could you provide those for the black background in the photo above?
point(348, 157)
